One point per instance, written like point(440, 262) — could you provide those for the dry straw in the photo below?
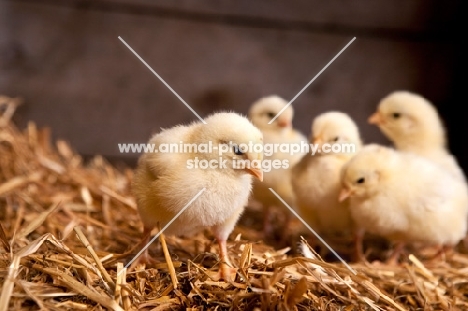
point(68, 229)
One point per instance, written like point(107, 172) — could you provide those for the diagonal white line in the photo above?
point(313, 231)
point(165, 227)
point(162, 80)
point(313, 79)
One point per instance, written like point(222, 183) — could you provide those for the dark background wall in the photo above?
point(64, 58)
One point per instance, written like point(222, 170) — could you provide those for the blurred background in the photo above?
point(64, 58)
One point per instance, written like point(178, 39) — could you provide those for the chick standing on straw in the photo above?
point(404, 198)
point(280, 131)
point(164, 184)
point(316, 178)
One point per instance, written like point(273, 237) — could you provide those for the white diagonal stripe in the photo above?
point(313, 231)
point(165, 227)
point(313, 79)
point(162, 80)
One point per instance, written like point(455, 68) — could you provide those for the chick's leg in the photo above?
point(267, 220)
point(144, 241)
point(442, 252)
point(358, 248)
point(226, 269)
point(288, 219)
point(221, 232)
point(143, 258)
point(398, 249)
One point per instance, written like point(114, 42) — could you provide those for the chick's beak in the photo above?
point(317, 141)
point(255, 168)
point(256, 172)
point(344, 194)
point(375, 119)
point(283, 123)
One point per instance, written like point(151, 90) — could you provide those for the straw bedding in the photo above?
point(68, 229)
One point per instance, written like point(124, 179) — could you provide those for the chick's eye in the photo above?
point(396, 115)
point(360, 180)
point(270, 114)
point(336, 139)
point(237, 150)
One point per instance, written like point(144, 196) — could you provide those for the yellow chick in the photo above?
point(280, 131)
point(404, 198)
point(165, 182)
point(412, 123)
point(316, 179)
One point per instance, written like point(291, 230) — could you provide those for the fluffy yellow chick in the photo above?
point(404, 198)
point(165, 182)
point(412, 123)
point(279, 132)
point(316, 179)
